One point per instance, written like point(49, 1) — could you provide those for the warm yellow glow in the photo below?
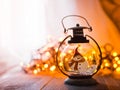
point(108, 47)
point(93, 52)
point(35, 71)
point(118, 62)
point(114, 54)
point(80, 48)
point(45, 65)
point(102, 66)
point(116, 58)
point(69, 51)
point(43, 68)
point(88, 66)
point(90, 57)
point(115, 65)
point(118, 69)
point(60, 64)
point(102, 49)
point(62, 54)
point(95, 71)
point(107, 64)
point(85, 57)
point(56, 49)
point(105, 61)
point(103, 54)
point(52, 68)
point(38, 69)
point(48, 54)
point(37, 65)
point(66, 59)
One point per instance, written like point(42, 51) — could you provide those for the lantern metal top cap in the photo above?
point(78, 35)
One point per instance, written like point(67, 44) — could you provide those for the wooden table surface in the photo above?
point(16, 79)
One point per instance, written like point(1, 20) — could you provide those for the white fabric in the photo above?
point(25, 24)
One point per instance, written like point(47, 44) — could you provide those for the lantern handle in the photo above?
point(65, 30)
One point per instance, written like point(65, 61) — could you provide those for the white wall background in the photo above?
point(22, 28)
point(25, 24)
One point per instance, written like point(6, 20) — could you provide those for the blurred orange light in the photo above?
point(52, 68)
point(70, 51)
point(114, 54)
point(107, 64)
point(35, 71)
point(62, 54)
point(118, 69)
point(48, 54)
point(45, 65)
point(115, 65)
point(116, 58)
point(118, 62)
point(93, 52)
point(37, 65)
point(60, 64)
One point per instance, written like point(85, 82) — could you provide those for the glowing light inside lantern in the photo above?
point(107, 64)
point(60, 64)
point(66, 59)
point(62, 54)
point(93, 52)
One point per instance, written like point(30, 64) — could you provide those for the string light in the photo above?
point(52, 68)
point(45, 65)
point(35, 71)
point(111, 59)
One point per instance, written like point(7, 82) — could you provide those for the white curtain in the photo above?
point(22, 28)
point(25, 24)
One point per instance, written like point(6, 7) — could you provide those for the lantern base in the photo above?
point(81, 82)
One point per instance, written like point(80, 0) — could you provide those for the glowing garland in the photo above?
point(43, 59)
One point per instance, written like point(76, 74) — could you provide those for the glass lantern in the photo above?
point(81, 57)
